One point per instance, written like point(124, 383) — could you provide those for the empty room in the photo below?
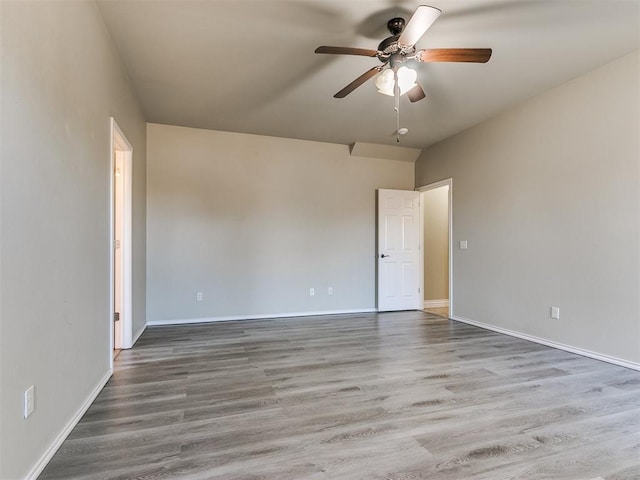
point(317, 239)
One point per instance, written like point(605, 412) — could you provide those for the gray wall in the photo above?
point(436, 243)
point(61, 80)
point(547, 195)
point(253, 222)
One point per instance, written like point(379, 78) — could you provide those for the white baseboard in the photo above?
point(137, 335)
point(55, 445)
point(550, 343)
point(257, 317)
point(436, 303)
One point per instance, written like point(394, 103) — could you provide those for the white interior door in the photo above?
point(398, 250)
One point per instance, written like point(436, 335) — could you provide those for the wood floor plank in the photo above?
point(397, 396)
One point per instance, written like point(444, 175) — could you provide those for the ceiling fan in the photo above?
point(398, 49)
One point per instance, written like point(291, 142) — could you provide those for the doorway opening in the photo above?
point(436, 215)
point(121, 247)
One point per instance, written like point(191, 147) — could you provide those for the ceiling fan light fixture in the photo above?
point(406, 80)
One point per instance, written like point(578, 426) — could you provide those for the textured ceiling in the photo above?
point(249, 66)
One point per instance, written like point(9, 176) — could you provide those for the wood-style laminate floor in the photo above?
point(393, 396)
point(439, 311)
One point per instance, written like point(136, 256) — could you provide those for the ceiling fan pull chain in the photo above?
point(396, 94)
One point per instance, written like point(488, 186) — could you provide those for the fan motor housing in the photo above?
point(388, 46)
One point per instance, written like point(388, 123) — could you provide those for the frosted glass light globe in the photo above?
point(406, 81)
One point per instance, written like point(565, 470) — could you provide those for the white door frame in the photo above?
point(121, 146)
point(432, 186)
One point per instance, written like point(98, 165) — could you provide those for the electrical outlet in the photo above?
point(330, 291)
point(555, 312)
point(312, 292)
point(199, 296)
point(29, 401)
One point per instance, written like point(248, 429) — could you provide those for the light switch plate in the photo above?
point(463, 244)
point(29, 401)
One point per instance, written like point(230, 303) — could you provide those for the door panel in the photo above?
point(392, 227)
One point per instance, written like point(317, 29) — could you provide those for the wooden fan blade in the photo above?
point(416, 93)
point(475, 55)
point(417, 25)
point(347, 51)
point(358, 81)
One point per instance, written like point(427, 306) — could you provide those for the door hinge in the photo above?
point(116, 244)
point(116, 316)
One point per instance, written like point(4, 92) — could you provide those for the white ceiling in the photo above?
point(249, 65)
